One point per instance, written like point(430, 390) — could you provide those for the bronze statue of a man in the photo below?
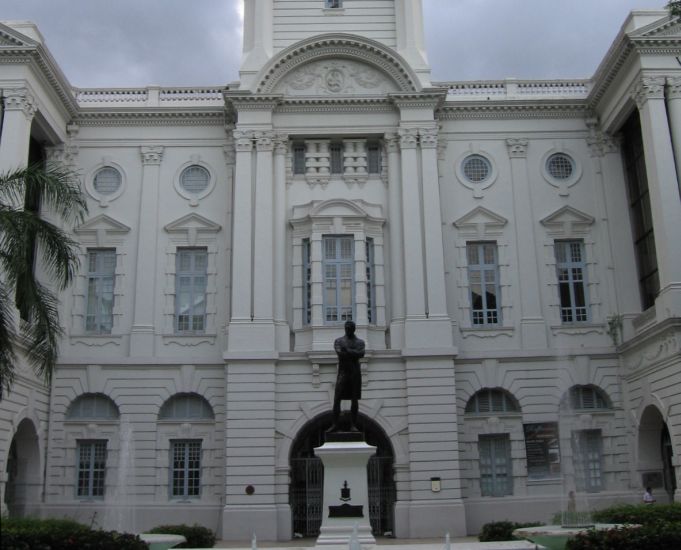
point(350, 350)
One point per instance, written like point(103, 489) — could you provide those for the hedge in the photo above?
point(197, 536)
point(640, 514)
point(653, 536)
point(501, 530)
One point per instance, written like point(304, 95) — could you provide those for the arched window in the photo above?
point(586, 397)
point(186, 406)
point(92, 406)
point(492, 400)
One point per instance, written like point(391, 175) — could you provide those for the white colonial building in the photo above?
point(510, 252)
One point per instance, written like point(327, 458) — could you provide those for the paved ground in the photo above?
point(310, 542)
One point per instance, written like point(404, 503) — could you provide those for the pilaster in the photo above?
point(674, 111)
point(142, 331)
point(532, 323)
point(663, 187)
point(279, 218)
point(20, 108)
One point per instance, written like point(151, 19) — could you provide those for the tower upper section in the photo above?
point(271, 26)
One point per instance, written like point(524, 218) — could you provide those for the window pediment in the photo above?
point(567, 221)
point(102, 230)
point(191, 226)
point(481, 223)
point(336, 209)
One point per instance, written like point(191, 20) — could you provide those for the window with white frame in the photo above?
point(92, 406)
point(100, 290)
point(91, 468)
point(299, 158)
point(571, 273)
point(339, 278)
point(185, 475)
point(185, 407)
point(483, 280)
point(587, 452)
point(190, 290)
point(370, 275)
point(336, 153)
point(496, 471)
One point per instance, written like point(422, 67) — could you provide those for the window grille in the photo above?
point(100, 293)
point(496, 471)
point(186, 407)
point(492, 400)
point(107, 181)
point(92, 407)
point(571, 271)
point(371, 302)
point(373, 158)
point(587, 397)
point(587, 451)
point(195, 179)
point(299, 158)
point(190, 289)
point(483, 279)
point(339, 278)
point(91, 468)
point(560, 166)
point(336, 151)
point(307, 284)
point(476, 168)
point(333, 4)
point(185, 458)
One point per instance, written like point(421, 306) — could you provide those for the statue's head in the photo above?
point(350, 328)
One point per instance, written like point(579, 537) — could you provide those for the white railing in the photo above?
point(152, 96)
point(511, 89)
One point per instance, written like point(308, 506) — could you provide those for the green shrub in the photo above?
point(197, 536)
point(654, 536)
point(501, 530)
point(640, 514)
point(59, 534)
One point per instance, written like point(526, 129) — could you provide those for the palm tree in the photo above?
point(27, 238)
point(674, 6)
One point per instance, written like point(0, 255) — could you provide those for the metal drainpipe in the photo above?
point(2, 111)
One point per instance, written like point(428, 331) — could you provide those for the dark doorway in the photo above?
point(307, 477)
point(667, 464)
point(23, 488)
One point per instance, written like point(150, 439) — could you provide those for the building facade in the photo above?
point(509, 251)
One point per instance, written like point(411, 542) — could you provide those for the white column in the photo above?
point(396, 242)
point(360, 266)
point(16, 129)
point(279, 215)
point(674, 111)
point(413, 235)
point(263, 269)
point(142, 331)
point(663, 187)
point(532, 323)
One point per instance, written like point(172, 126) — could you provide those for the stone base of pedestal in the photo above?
point(346, 493)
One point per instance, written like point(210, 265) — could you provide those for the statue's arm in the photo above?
point(357, 350)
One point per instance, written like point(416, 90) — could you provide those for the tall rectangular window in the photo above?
point(571, 272)
point(373, 158)
point(371, 298)
point(588, 459)
point(185, 458)
point(91, 468)
point(496, 474)
point(190, 289)
point(307, 283)
point(100, 292)
point(640, 211)
point(339, 278)
point(336, 151)
point(299, 158)
point(483, 279)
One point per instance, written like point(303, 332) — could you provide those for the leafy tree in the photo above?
point(674, 6)
point(28, 238)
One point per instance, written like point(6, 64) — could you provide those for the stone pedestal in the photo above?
point(346, 494)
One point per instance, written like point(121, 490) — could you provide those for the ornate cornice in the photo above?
point(649, 87)
point(151, 118)
point(20, 99)
point(517, 147)
point(336, 105)
point(241, 101)
point(151, 154)
point(511, 110)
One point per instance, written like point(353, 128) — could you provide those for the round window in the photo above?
point(476, 168)
point(195, 179)
point(560, 166)
point(107, 181)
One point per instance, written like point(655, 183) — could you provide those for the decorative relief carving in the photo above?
point(20, 99)
point(649, 87)
point(428, 137)
point(392, 143)
point(264, 141)
point(517, 147)
point(663, 347)
point(408, 138)
point(674, 87)
point(599, 142)
point(335, 77)
point(151, 155)
point(280, 142)
point(243, 140)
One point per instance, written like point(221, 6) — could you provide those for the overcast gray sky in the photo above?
point(123, 43)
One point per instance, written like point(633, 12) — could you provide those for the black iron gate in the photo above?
point(307, 486)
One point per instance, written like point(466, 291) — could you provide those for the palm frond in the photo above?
point(8, 339)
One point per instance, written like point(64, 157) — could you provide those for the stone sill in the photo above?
point(333, 11)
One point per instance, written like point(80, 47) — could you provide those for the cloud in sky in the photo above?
point(99, 43)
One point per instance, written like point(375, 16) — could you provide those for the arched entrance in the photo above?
point(23, 470)
point(655, 452)
point(307, 477)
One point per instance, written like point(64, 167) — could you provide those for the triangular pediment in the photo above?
point(13, 38)
point(102, 223)
point(567, 221)
point(481, 222)
point(662, 28)
point(193, 222)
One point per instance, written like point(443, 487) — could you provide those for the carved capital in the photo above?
point(20, 99)
point(230, 154)
point(598, 141)
point(392, 143)
point(428, 138)
point(674, 87)
point(649, 87)
point(243, 140)
point(280, 144)
point(408, 138)
point(264, 141)
point(517, 148)
point(151, 155)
